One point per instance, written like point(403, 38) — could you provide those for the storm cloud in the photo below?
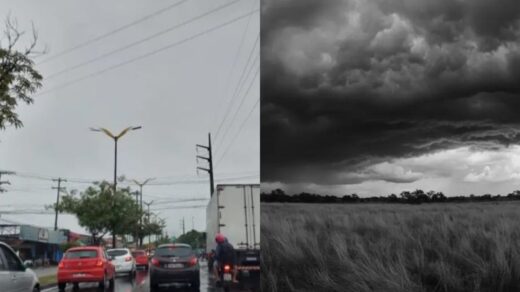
point(349, 86)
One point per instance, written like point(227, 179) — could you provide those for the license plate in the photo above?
point(174, 266)
point(251, 259)
point(227, 277)
point(78, 275)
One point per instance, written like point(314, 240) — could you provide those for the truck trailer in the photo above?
point(234, 211)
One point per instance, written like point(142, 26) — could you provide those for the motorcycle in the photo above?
point(226, 278)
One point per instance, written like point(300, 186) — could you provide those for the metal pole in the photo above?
point(137, 225)
point(141, 209)
point(59, 180)
point(212, 188)
point(114, 192)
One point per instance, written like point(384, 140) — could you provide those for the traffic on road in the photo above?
point(141, 283)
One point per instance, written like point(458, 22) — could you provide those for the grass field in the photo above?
point(386, 248)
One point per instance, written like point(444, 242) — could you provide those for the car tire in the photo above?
point(154, 287)
point(61, 286)
point(36, 289)
point(103, 282)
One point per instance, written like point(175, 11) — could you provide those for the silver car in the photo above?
point(14, 276)
point(123, 261)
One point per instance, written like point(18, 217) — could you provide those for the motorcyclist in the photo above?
point(224, 254)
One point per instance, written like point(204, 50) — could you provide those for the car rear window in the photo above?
point(81, 254)
point(116, 253)
point(174, 251)
point(138, 253)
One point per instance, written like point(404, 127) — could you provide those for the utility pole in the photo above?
point(141, 184)
point(148, 215)
point(58, 190)
point(183, 228)
point(209, 159)
point(138, 222)
point(5, 182)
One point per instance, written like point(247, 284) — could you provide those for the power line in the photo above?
point(230, 102)
point(232, 68)
point(95, 74)
point(239, 130)
point(121, 28)
point(133, 44)
point(238, 108)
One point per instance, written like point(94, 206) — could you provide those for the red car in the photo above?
point(86, 264)
point(141, 259)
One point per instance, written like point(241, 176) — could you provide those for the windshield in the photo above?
point(138, 253)
point(173, 251)
point(117, 252)
point(81, 254)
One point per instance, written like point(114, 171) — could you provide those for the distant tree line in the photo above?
point(406, 197)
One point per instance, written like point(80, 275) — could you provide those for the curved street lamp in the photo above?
point(115, 138)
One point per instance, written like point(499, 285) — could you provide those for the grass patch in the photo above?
point(48, 280)
point(391, 247)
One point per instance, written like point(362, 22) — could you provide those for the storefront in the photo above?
point(40, 245)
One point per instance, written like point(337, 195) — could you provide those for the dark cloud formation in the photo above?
point(349, 84)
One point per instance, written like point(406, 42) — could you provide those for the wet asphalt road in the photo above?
point(141, 284)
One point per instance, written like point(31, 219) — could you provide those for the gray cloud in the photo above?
point(355, 83)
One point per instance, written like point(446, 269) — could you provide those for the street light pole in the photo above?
point(148, 215)
point(141, 184)
point(115, 138)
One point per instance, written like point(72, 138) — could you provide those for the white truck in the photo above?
point(234, 211)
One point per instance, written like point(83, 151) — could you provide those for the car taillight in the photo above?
point(227, 268)
point(128, 258)
point(193, 261)
point(99, 263)
point(155, 262)
point(61, 265)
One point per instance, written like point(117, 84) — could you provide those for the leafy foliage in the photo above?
point(18, 78)
point(65, 246)
point(194, 238)
point(100, 212)
point(414, 197)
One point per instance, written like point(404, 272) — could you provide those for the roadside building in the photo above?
point(39, 244)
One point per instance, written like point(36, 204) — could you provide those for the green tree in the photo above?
point(194, 238)
point(18, 78)
point(101, 212)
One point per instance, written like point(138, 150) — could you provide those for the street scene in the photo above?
point(141, 283)
point(130, 145)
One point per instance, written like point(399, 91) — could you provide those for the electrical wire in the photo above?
point(133, 44)
point(238, 109)
point(230, 102)
point(112, 32)
point(140, 57)
point(235, 59)
point(237, 133)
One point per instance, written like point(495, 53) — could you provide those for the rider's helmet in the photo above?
point(219, 238)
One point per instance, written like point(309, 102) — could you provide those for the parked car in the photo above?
point(141, 259)
point(174, 263)
point(86, 264)
point(123, 261)
point(14, 276)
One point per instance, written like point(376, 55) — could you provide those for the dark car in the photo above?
point(174, 263)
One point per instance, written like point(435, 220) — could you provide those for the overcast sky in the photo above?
point(178, 85)
point(381, 96)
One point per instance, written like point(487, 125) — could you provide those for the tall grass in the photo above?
point(369, 247)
